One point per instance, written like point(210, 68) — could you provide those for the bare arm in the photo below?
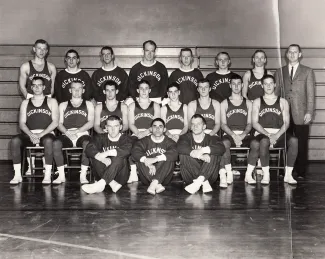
point(23, 72)
point(185, 129)
point(53, 105)
point(90, 123)
point(249, 119)
point(62, 108)
point(52, 69)
point(223, 115)
point(131, 120)
point(191, 108)
point(124, 110)
point(246, 79)
point(286, 117)
point(23, 118)
point(216, 128)
point(98, 110)
point(163, 112)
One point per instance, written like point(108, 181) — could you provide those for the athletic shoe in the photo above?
point(206, 187)
point(93, 188)
point(193, 187)
point(16, 180)
point(159, 188)
point(133, 177)
point(266, 178)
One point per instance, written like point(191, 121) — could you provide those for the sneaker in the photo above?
point(133, 177)
point(152, 188)
point(249, 179)
point(206, 187)
point(93, 188)
point(115, 186)
point(60, 179)
point(159, 188)
point(223, 178)
point(266, 178)
point(16, 180)
point(193, 187)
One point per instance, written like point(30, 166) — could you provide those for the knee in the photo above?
point(15, 141)
point(227, 144)
point(57, 145)
point(255, 145)
point(85, 143)
point(265, 142)
point(293, 142)
point(47, 142)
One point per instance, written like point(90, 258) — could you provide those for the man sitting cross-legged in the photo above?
point(236, 124)
point(108, 153)
point(76, 119)
point(200, 155)
point(38, 117)
point(271, 119)
point(155, 156)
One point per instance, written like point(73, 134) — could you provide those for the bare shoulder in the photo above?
point(215, 103)
point(25, 67)
point(63, 105)
point(192, 104)
point(51, 66)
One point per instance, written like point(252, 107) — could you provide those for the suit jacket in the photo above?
point(300, 92)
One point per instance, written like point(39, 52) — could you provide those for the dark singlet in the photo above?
point(143, 117)
point(255, 89)
point(270, 116)
point(207, 114)
point(45, 74)
point(105, 113)
point(237, 115)
point(174, 119)
point(75, 117)
point(38, 117)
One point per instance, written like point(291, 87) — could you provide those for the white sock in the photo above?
point(133, 168)
point(61, 171)
point(48, 168)
point(289, 170)
point(84, 168)
point(250, 169)
point(266, 169)
point(228, 168)
point(17, 169)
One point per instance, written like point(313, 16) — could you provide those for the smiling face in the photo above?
point(197, 126)
point(113, 127)
point(40, 50)
point(149, 52)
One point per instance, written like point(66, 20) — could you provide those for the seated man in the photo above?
point(38, 118)
point(108, 153)
point(140, 115)
point(200, 155)
point(174, 113)
point(271, 119)
point(76, 119)
point(110, 107)
point(155, 157)
point(207, 107)
point(236, 124)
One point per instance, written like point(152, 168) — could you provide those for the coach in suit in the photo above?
point(297, 84)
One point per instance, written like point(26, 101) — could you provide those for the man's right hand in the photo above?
point(100, 156)
point(237, 139)
point(34, 139)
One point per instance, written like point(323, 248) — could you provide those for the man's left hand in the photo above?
point(307, 118)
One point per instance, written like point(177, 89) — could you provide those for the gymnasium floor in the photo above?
point(275, 221)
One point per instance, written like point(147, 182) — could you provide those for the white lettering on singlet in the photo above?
point(148, 73)
point(208, 116)
point(236, 111)
point(187, 78)
point(72, 79)
point(174, 117)
point(269, 110)
point(106, 78)
point(45, 76)
point(254, 84)
point(43, 111)
point(155, 150)
point(74, 112)
point(196, 147)
point(143, 115)
point(220, 81)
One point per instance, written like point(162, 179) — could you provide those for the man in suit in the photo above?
point(297, 84)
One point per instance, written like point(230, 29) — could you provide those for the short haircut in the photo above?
point(41, 41)
point(266, 77)
point(158, 119)
point(259, 51)
point(107, 48)
point(186, 49)
point(143, 81)
point(114, 118)
point(173, 84)
point(202, 81)
point(222, 53)
point(72, 51)
point(109, 82)
point(236, 77)
point(76, 82)
point(38, 78)
point(151, 42)
point(199, 116)
point(294, 45)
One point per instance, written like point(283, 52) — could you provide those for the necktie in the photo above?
point(291, 73)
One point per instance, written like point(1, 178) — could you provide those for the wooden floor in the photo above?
point(275, 221)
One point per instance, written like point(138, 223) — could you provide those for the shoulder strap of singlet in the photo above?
point(137, 104)
point(44, 101)
point(168, 107)
point(262, 100)
point(118, 106)
point(265, 72)
point(30, 65)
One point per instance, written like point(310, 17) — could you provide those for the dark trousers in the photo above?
point(301, 132)
point(164, 172)
point(191, 168)
point(118, 170)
